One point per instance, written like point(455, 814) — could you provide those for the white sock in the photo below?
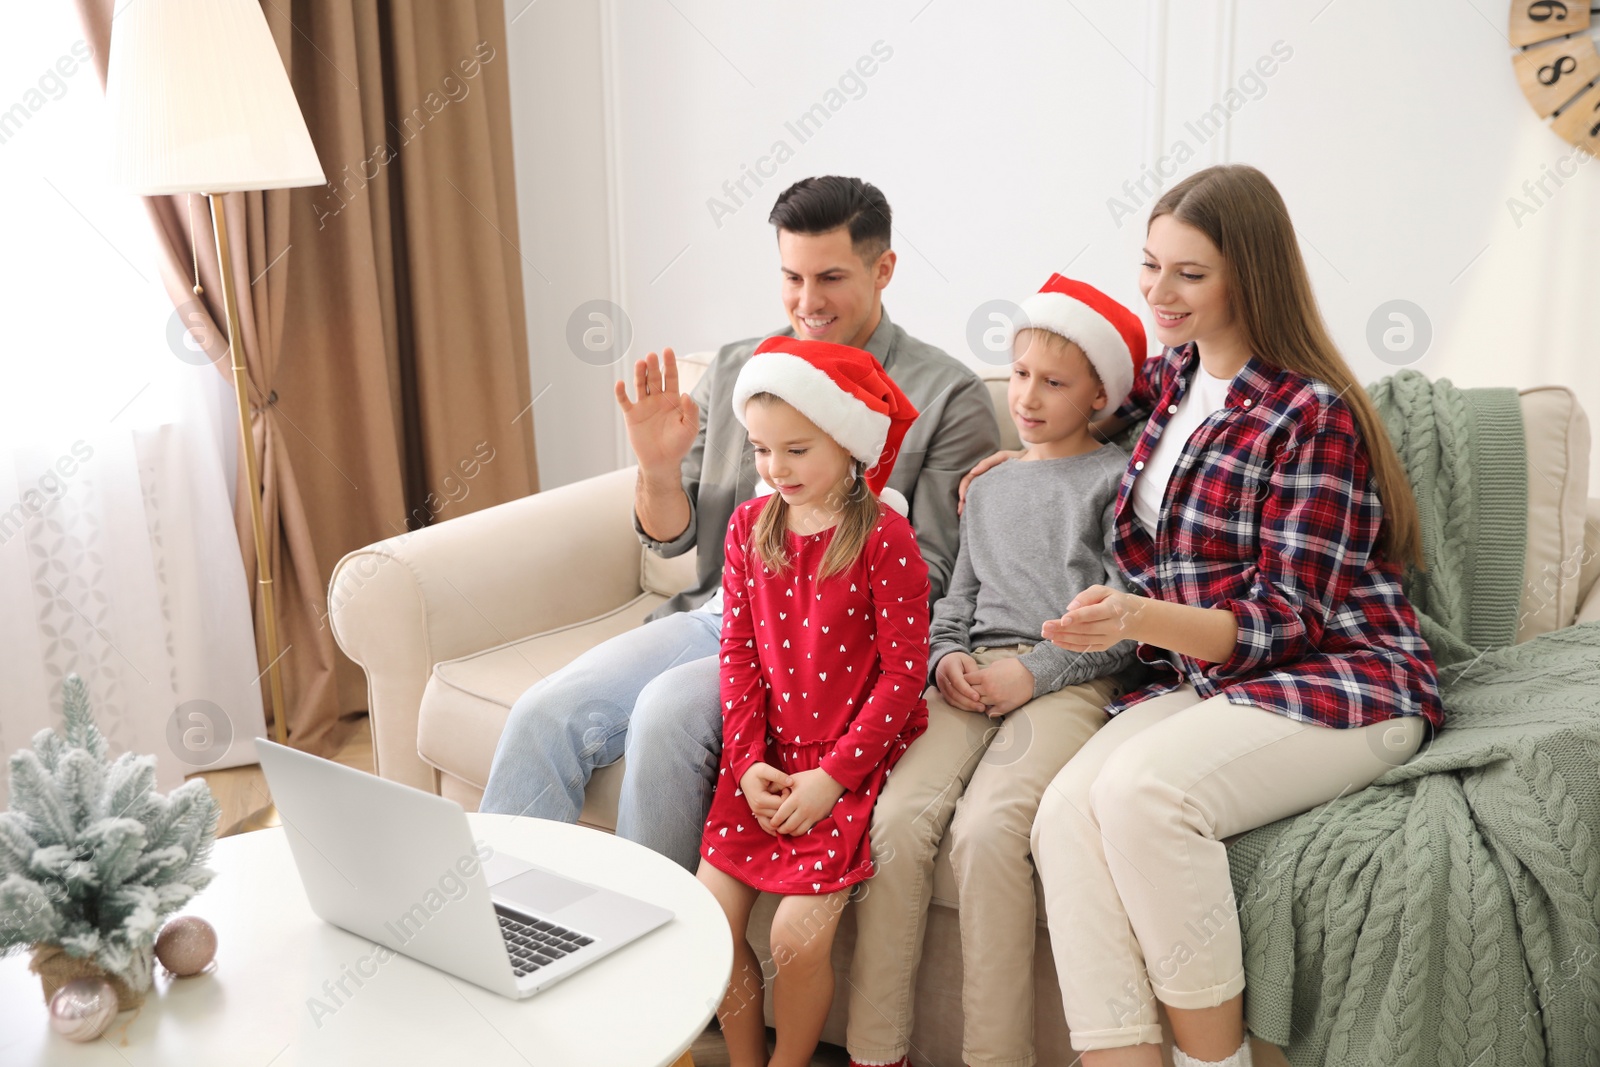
point(1240, 1058)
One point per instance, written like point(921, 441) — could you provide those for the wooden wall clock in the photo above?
point(1557, 66)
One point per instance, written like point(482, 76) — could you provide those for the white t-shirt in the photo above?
point(1206, 394)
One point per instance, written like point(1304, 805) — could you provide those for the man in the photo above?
point(651, 693)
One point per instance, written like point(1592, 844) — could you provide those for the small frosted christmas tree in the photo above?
point(92, 858)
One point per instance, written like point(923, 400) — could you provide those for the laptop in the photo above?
point(399, 867)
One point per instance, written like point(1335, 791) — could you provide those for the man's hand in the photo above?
point(951, 676)
point(661, 422)
point(765, 788)
point(811, 797)
point(1003, 686)
point(983, 465)
point(1096, 619)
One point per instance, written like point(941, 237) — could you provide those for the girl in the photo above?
point(824, 651)
point(1262, 525)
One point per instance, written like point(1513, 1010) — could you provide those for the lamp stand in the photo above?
point(252, 469)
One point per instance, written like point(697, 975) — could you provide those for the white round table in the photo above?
point(644, 1005)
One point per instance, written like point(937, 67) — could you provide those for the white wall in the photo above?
point(1002, 135)
point(1397, 135)
point(559, 133)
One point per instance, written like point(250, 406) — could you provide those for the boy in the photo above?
point(1034, 533)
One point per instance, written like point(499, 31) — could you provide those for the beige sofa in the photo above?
point(452, 623)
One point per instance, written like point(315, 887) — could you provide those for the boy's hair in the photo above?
point(858, 513)
point(1059, 341)
point(820, 205)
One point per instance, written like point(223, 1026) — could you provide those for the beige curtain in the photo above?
point(382, 316)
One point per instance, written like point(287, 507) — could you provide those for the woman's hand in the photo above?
point(811, 797)
point(951, 677)
point(983, 465)
point(1099, 617)
point(1096, 619)
point(765, 788)
point(1003, 686)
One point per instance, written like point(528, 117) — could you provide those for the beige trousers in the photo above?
point(908, 825)
point(1128, 843)
point(991, 857)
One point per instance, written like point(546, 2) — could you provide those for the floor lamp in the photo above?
point(200, 103)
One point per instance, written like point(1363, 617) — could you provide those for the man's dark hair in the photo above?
point(819, 205)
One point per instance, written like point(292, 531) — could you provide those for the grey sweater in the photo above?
point(1034, 534)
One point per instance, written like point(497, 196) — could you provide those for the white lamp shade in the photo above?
point(200, 102)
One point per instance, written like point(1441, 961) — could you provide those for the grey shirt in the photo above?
point(955, 428)
point(1035, 534)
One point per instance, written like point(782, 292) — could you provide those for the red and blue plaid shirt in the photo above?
point(1272, 514)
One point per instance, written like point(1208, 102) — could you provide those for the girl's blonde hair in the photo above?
point(856, 507)
point(1238, 208)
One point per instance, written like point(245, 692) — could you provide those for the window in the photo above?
point(84, 338)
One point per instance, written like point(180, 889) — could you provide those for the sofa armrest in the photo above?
point(1589, 580)
point(497, 575)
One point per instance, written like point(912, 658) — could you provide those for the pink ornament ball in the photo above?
point(187, 945)
point(83, 1008)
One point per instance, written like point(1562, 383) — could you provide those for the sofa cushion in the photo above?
point(467, 700)
point(1589, 573)
point(998, 379)
point(664, 577)
point(1558, 488)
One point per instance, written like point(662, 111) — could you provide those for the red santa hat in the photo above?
point(842, 389)
point(1109, 334)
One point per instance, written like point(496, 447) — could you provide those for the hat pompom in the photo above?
point(896, 500)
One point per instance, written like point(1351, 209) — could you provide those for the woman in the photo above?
point(1261, 525)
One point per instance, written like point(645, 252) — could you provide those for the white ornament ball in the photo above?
point(187, 945)
point(83, 1008)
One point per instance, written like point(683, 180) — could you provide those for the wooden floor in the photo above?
point(247, 805)
point(242, 793)
point(709, 1051)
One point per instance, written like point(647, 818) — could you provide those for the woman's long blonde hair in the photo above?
point(1238, 208)
point(857, 510)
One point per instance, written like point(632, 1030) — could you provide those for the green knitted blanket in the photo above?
point(1450, 913)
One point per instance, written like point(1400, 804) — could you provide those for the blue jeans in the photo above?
point(651, 694)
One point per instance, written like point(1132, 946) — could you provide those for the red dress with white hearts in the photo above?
point(816, 673)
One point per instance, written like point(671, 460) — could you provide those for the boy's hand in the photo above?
point(951, 678)
point(1003, 686)
point(765, 788)
point(983, 465)
point(1096, 619)
point(810, 799)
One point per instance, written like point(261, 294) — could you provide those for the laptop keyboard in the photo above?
point(535, 943)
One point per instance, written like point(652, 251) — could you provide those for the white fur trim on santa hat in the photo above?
point(1090, 331)
point(813, 393)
